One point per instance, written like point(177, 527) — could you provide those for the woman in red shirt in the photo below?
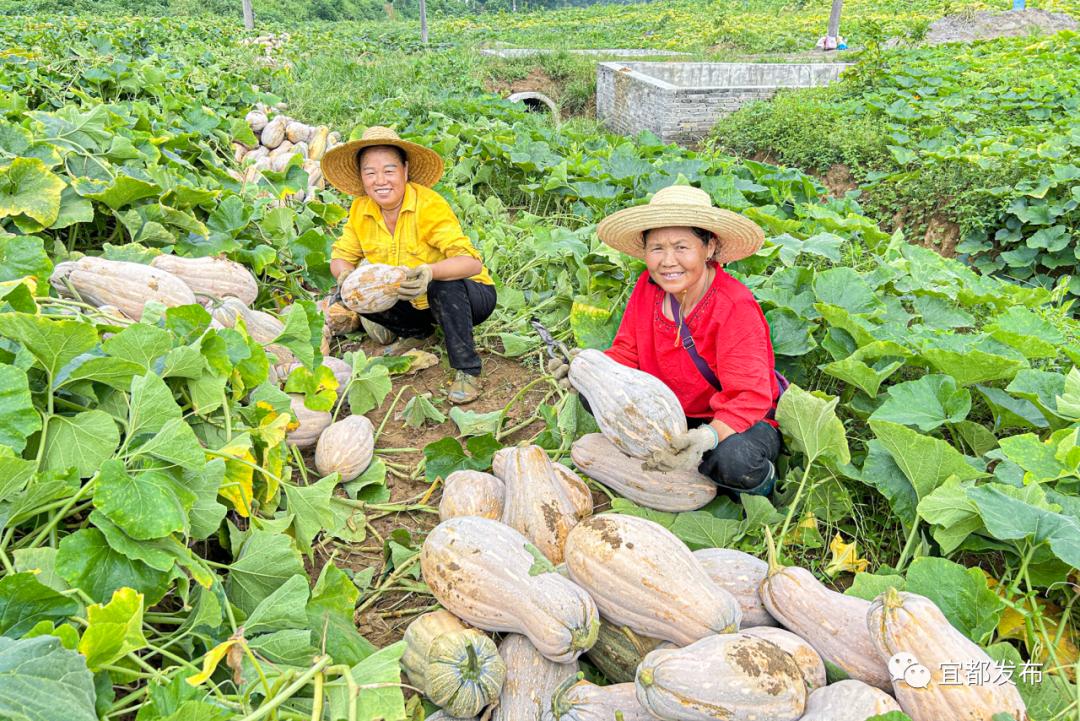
point(718, 360)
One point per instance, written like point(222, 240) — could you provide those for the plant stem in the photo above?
point(389, 412)
point(289, 691)
point(795, 502)
point(59, 516)
point(912, 535)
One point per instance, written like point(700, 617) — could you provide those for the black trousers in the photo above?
point(456, 306)
point(741, 462)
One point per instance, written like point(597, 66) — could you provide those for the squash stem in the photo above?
point(472, 664)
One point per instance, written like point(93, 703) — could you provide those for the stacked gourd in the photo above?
point(714, 634)
point(121, 289)
point(280, 138)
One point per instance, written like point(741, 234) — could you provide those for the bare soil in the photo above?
point(838, 180)
point(971, 26)
point(384, 622)
point(536, 81)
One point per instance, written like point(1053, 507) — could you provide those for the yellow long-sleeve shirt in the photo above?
point(427, 231)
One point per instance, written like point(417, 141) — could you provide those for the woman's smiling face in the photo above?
point(384, 176)
point(676, 257)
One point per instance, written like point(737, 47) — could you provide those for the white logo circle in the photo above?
point(905, 667)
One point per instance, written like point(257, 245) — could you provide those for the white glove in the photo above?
point(686, 450)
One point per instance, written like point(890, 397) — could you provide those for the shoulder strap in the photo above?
point(688, 343)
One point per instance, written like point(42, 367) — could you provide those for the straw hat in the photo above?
point(341, 169)
point(682, 205)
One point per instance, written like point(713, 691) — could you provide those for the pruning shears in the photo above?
point(555, 348)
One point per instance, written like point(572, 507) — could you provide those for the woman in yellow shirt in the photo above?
point(397, 219)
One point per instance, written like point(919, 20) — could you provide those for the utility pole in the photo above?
point(249, 16)
point(834, 25)
point(423, 21)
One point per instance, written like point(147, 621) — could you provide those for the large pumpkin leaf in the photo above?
point(924, 460)
point(54, 343)
point(29, 188)
point(18, 417)
point(86, 561)
point(114, 629)
point(926, 403)
point(40, 680)
point(24, 601)
point(83, 441)
point(810, 421)
point(24, 255)
point(266, 561)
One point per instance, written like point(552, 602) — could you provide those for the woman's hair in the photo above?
point(398, 151)
point(703, 235)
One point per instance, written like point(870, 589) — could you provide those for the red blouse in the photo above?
point(731, 334)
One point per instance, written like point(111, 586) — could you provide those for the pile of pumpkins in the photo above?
point(121, 289)
point(714, 634)
point(280, 139)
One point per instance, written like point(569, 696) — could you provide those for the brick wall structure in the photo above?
point(680, 102)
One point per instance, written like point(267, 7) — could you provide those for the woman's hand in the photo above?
point(559, 369)
point(416, 282)
point(686, 450)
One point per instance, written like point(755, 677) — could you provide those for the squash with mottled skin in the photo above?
point(907, 623)
point(490, 576)
point(733, 677)
point(583, 701)
point(531, 680)
point(537, 502)
point(471, 493)
point(740, 574)
point(345, 447)
point(635, 411)
point(618, 651)
point(310, 424)
point(599, 459)
point(372, 288)
point(211, 277)
point(643, 577)
point(810, 663)
point(848, 700)
point(123, 285)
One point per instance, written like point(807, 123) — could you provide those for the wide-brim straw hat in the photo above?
point(683, 206)
point(341, 169)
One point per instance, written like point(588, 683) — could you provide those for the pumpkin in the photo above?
point(298, 132)
point(848, 700)
point(256, 121)
point(126, 286)
point(490, 576)
point(618, 651)
point(635, 411)
point(310, 424)
point(372, 287)
point(262, 327)
point(834, 624)
point(810, 663)
point(583, 701)
point(536, 501)
point(600, 460)
point(458, 668)
point(740, 574)
point(914, 628)
point(471, 493)
point(211, 277)
point(342, 371)
point(317, 147)
point(345, 447)
point(643, 577)
point(531, 680)
point(338, 319)
point(575, 489)
point(441, 715)
point(733, 677)
point(273, 133)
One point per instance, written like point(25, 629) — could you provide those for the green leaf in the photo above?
point(23, 255)
point(146, 504)
point(139, 343)
point(810, 421)
point(540, 564)
point(445, 456)
point(42, 563)
point(331, 607)
point(28, 187)
point(86, 561)
point(265, 561)
point(471, 423)
point(18, 417)
point(1047, 698)
point(83, 441)
point(791, 335)
point(175, 443)
point(282, 609)
point(206, 514)
point(953, 515)
point(419, 410)
point(925, 461)
point(700, 529)
point(152, 405)
point(926, 403)
point(113, 372)
point(370, 385)
point(940, 314)
point(1009, 516)
point(868, 586)
point(297, 334)
point(1067, 402)
point(24, 602)
point(310, 506)
point(867, 378)
point(1041, 388)
point(114, 630)
point(40, 680)
point(121, 192)
point(381, 673)
point(1039, 459)
point(319, 388)
point(1010, 412)
point(53, 343)
point(845, 288)
point(1026, 331)
point(622, 505)
point(972, 366)
point(961, 593)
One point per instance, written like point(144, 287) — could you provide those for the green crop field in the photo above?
point(169, 548)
